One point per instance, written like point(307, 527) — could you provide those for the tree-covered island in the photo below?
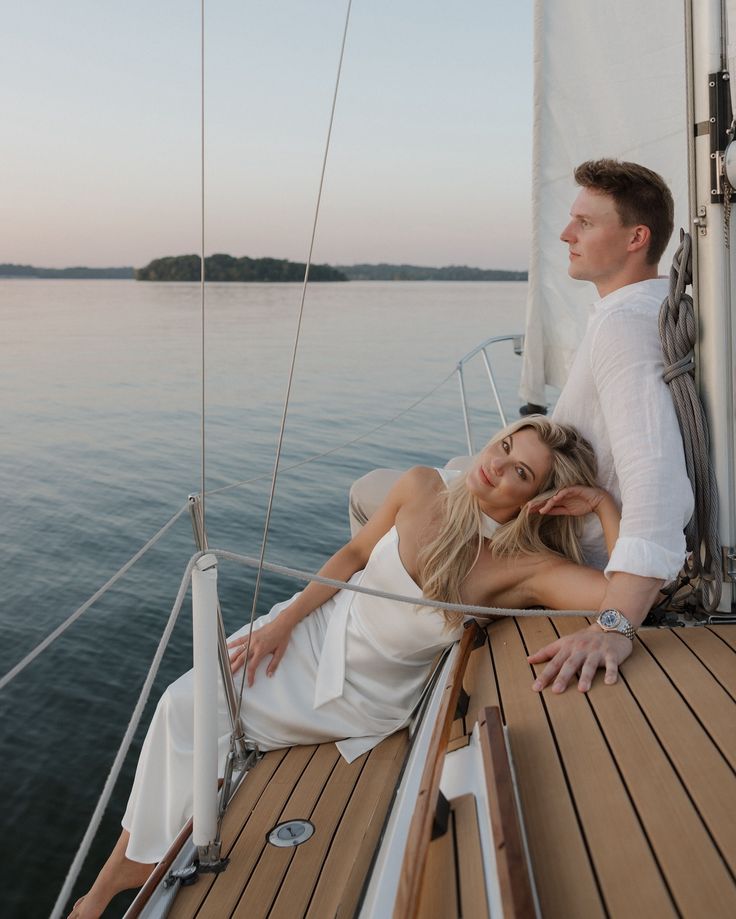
point(228, 268)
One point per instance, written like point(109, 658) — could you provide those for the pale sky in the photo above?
point(431, 150)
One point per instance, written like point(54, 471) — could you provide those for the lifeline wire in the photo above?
point(41, 647)
point(94, 823)
point(481, 612)
point(295, 349)
point(678, 331)
point(31, 656)
point(347, 443)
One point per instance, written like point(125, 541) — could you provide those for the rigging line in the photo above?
point(94, 823)
point(484, 612)
point(264, 541)
point(202, 270)
point(41, 647)
point(347, 443)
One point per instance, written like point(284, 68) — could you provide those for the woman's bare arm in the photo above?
point(561, 584)
point(273, 637)
point(579, 500)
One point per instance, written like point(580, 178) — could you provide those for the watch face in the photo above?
point(609, 618)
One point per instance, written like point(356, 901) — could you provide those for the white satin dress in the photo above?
point(352, 673)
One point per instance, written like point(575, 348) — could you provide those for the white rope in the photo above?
point(41, 647)
point(347, 443)
point(483, 612)
point(295, 348)
point(93, 826)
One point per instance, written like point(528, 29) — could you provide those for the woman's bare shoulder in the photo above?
point(423, 478)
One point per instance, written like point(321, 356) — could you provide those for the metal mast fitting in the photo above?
point(720, 132)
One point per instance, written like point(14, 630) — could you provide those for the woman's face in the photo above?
point(506, 474)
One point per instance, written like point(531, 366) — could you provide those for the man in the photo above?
point(621, 222)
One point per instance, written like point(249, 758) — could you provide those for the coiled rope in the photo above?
point(678, 331)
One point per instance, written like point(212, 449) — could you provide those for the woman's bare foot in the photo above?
point(117, 874)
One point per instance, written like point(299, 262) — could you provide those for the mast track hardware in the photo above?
point(729, 563)
point(719, 131)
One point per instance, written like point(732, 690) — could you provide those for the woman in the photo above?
point(349, 667)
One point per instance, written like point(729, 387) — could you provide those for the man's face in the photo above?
point(598, 241)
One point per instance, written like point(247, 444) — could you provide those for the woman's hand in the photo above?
point(574, 501)
point(272, 638)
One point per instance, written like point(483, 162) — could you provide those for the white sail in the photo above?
point(609, 82)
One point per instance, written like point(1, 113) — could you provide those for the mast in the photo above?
point(709, 118)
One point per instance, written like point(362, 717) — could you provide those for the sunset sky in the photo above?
point(430, 158)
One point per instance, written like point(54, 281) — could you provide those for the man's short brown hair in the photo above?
point(640, 195)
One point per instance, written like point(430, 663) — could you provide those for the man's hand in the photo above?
point(272, 638)
point(582, 652)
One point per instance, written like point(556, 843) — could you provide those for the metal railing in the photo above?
point(518, 345)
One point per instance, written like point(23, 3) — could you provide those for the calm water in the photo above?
point(100, 445)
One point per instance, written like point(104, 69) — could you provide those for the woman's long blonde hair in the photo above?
point(446, 561)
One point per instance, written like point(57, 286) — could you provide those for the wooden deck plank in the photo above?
point(480, 684)
point(601, 798)
point(471, 877)
point(693, 869)
point(713, 653)
point(562, 870)
point(438, 896)
point(225, 891)
point(709, 701)
point(296, 891)
point(710, 782)
point(263, 885)
point(344, 871)
point(189, 899)
point(726, 633)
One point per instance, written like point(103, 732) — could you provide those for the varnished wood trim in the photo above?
point(513, 870)
point(420, 829)
point(159, 872)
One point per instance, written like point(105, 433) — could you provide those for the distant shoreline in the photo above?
point(224, 268)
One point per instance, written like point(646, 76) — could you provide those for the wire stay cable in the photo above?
point(295, 349)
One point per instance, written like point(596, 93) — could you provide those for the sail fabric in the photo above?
point(731, 47)
point(609, 82)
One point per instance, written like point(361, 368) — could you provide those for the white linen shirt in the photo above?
point(616, 397)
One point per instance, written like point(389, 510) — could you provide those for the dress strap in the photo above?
point(331, 669)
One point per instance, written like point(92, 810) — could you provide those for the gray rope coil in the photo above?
point(678, 331)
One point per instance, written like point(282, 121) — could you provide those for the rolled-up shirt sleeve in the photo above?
point(656, 496)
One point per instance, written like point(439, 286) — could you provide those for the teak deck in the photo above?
point(628, 795)
point(326, 874)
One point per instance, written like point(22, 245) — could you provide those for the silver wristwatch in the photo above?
point(611, 620)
